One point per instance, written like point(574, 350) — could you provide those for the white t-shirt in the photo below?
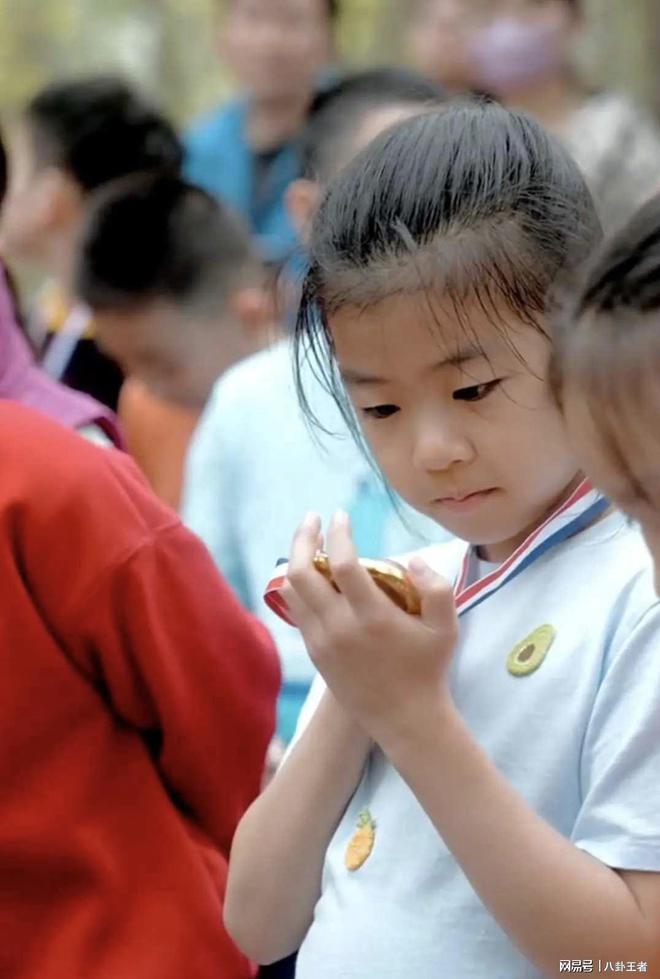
point(579, 738)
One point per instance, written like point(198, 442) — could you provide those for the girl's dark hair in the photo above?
point(624, 275)
point(98, 129)
point(472, 202)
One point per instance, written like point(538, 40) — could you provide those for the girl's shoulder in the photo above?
point(603, 579)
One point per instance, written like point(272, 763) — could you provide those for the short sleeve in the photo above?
point(619, 820)
point(309, 708)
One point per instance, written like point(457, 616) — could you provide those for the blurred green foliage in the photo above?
point(168, 46)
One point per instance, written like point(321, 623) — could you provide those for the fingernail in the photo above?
point(311, 520)
point(341, 519)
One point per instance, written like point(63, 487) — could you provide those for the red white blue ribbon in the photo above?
point(578, 512)
point(584, 506)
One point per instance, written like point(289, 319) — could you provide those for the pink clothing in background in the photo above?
point(22, 380)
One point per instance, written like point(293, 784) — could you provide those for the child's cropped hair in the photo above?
point(99, 128)
point(156, 237)
point(472, 203)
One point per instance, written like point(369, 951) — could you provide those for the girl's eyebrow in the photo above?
point(462, 356)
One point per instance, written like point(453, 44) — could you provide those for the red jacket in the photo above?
point(138, 700)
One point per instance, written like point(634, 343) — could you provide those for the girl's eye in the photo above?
point(476, 392)
point(380, 411)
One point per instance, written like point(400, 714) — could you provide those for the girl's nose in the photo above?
point(439, 447)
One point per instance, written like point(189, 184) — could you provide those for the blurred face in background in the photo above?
point(178, 353)
point(438, 42)
point(497, 46)
point(40, 200)
point(177, 358)
point(276, 48)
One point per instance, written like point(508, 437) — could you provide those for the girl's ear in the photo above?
point(302, 201)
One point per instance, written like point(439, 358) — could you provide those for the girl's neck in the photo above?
point(498, 552)
point(553, 102)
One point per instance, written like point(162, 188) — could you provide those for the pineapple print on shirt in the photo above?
point(362, 842)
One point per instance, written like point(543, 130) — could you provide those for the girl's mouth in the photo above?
point(463, 504)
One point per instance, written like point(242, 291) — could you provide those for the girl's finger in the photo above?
point(352, 579)
point(437, 596)
point(309, 585)
point(300, 612)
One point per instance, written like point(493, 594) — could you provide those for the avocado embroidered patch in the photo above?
point(529, 653)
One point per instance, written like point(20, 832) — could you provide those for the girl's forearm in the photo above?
point(554, 901)
point(280, 845)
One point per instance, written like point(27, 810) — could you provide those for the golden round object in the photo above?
point(390, 576)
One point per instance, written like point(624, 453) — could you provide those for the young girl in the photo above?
point(608, 355)
point(477, 793)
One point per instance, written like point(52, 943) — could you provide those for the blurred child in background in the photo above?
point(254, 467)
point(608, 371)
point(22, 380)
point(75, 136)
point(246, 152)
point(521, 51)
point(178, 296)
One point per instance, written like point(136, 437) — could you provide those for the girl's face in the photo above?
point(458, 414)
point(625, 462)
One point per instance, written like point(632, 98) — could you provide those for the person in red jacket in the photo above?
point(138, 702)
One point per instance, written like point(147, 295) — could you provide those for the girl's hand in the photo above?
point(387, 668)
